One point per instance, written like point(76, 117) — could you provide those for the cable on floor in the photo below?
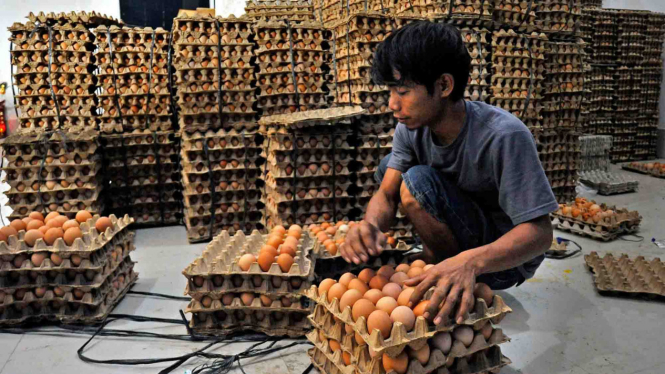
point(560, 255)
point(164, 296)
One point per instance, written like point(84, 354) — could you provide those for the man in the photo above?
point(467, 175)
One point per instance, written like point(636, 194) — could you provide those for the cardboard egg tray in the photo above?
point(519, 15)
point(564, 85)
point(399, 338)
point(215, 286)
point(560, 17)
point(299, 304)
point(294, 10)
point(608, 183)
point(478, 42)
point(320, 253)
point(622, 275)
point(283, 323)
point(199, 230)
point(654, 169)
point(609, 228)
point(342, 212)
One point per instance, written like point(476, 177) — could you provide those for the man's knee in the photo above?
point(417, 181)
point(381, 170)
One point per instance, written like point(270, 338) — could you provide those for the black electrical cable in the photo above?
point(164, 296)
point(560, 255)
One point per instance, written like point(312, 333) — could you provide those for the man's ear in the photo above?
point(446, 82)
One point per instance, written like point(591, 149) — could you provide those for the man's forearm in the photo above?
point(524, 242)
point(381, 211)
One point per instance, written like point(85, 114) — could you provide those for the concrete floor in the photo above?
point(559, 324)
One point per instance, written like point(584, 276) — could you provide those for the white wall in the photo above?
point(226, 7)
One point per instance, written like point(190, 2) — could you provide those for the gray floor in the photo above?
point(559, 323)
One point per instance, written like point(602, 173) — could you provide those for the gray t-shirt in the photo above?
point(494, 159)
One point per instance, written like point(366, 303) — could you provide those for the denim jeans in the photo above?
point(443, 200)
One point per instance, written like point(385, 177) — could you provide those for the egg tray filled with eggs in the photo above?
point(200, 229)
point(249, 301)
point(271, 10)
point(357, 310)
point(22, 205)
point(588, 211)
point(70, 307)
point(330, 236)
point(275, 323)
point(622, 275)
point(216, 286)
point(655, 169)
point(560, 18)
point(85, 18)
point(517, 14)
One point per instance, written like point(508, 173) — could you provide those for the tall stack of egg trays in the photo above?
point(236, 284)
point(141, 167)
point(560, 17)
point(328, 12)
point(293, 10)
point(308, 157)
point(463, 9)
point(365, 331)
point(75, 279)
point(220, 148)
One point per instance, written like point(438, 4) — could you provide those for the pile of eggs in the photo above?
point(585, 210)
point(51, 227)
point(280, 247)
point(325, 234)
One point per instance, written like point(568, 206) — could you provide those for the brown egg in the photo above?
point(270, 249)
point(59, 292)
point(405, 315)
point(83, 216)
point(18, 225)
point(32, 236)
point(348, 328)
point(52, 234)
point(346, 357)
point(274, 241)
point(102, 224)
point(419, 310)
point(359, 339)
point(37, 216)
point(334, 345)
point(206, 301)
point(75, 260)
point(34, 225)
point(8, 231)
point(57, 221)
point(404, 268)
point(288, 248)
point(56, 259)
point(247, 298)
point(38, 258)
point(422, 354)
point(266, 259)
point(379, 320)
point(359, 285)
point(387, 304)
point(69, 224)
point(50, 216)
point(414, 272)
point(397, 364)
point(442, 341)
point(405, 296)
point(295, 231)
point(246, 261)
point(392, 289)
point(373, 295)
point(399, 278)
point(418, 264)
point(345, 279)
point(483, 291)
point(349, 298)
point(336, 291)
point(296, 283)
point(362, 308)
point(40, 292)
point(285, 261)
point(198, 281)
point(227, 299)
point(464, 334)
point(72, 234)
point(286, 301)
point(43, 229)
point(78, 293)
point(487, 330)
point(265, 300)
point(386, 271)
point(377, 282)
point(325, 285)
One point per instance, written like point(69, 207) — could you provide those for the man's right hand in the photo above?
point(362, 240)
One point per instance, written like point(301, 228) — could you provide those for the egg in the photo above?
point(405, 296)
point(32, 236)
point(291, 241)
point(102, 224)
point(34, 225)
point(418, 264)
point(378, 282)
point(198, 281)
point(442, 341)
point(399, 278)
point(285, 261)
point(346, 357)
point(427, 267)
point(206, 301)
point(366, 275)
point(56, 259)
point(18, 225)
point(334, 345)
point(392, 289)
point(349, 298)
point(75, 260)
point(52, 234)
point(362, 308)
point(325, 285)
point(404, 268)
point(227, 298)
point(57, 221)
point(83, 216)
point(483, 291)
point(8, 231)
point(414, 272)
point(346, 278)
point(51, 216)
point(397, 364)
point(420, 309)
point(422, 354)
point(487, 330)
point(387, 304)
point(373, 295)
point(379, 320)
point(36, 216)
point(405, 315)
point(72, 234)
point(265, 300)
point(44, 229)
point(286, 302)
point(359, 339)
point(59, 292)
point(246, 261)
point(266, 259)
point(70, 223)
point(40, 292)
point(348, 328)
point(295, 231)
point(336, 291)
point(274, 241)
point(38, 258)
point(247, 298)
point(296, 283)
point(386, 271)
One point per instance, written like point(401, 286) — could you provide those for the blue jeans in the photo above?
point(470, 225)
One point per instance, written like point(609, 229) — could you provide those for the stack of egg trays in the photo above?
point(91, 19)
point(267, 10)
point(560, 17)
point(462, 10)
point(559, 155)
point(94, 273)
point(214, 69)
point(626, 105)
point(625, 276)
point(601, 87)
point(45, 176)
point(595, 152)
point(518, 65)
point(592, 3)
point(292, 73)
point(482, 356)
point(329, 12)
point(221, 176)
point(564, 86)
point(309, 166)
point(142, 176)
point(607, 183)
point(622, 221)
point(518, 15)
point(605, 36)
point(65, 73)
point(135, 92)
point(631, 37)
point(215, 280)
point(478, 42)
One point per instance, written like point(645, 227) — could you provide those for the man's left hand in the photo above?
point(454, 279)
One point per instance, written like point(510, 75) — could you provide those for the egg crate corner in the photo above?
point(625, 276)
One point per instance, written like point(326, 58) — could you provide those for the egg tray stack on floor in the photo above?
point(292, 72)
point(559, 155)
point(600, 222)
point(457, 11)
point(53, 172)
point(232, 293)
point(478, 42)
point(595, 152)
point(626, 105)
point(518, 15)
point(273, 10)
point(134, 79)
point(655, 169)
point(77, 283)
point(607, 183)
point(600, 97)
point(560, 18)
point(623, 276)
point(308, 175)
point(142, 174)
point(344, 344)
point(329, 12)
point(518, 65)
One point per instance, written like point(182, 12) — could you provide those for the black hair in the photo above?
point(421, 52)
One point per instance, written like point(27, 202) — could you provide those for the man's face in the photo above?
point(413, 106)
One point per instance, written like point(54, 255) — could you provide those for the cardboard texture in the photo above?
point(272, 323)
point(293, 10)
point(655, 169)
point(607, 223)
point(608, 183)
point(622, 275)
